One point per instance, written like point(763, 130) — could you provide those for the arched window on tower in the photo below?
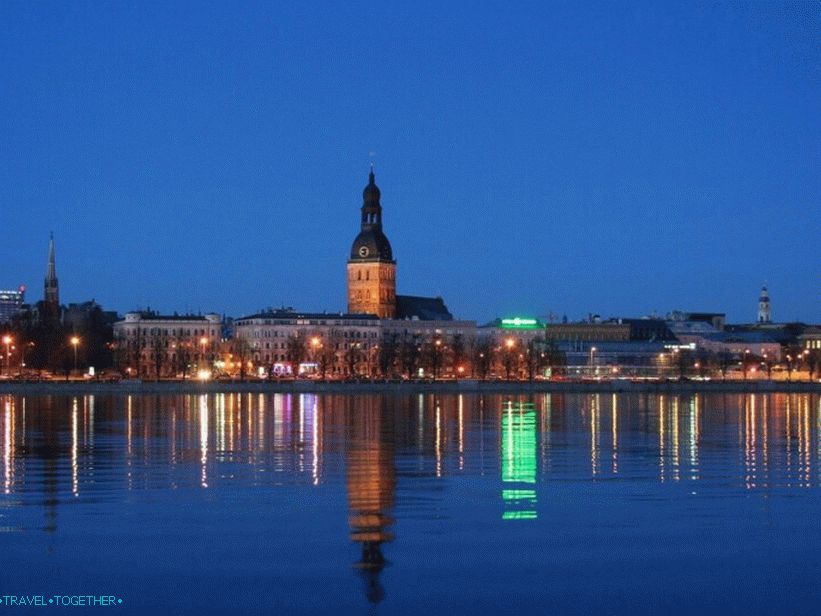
point(359, 274)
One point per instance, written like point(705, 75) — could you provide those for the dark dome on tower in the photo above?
point(371, 245)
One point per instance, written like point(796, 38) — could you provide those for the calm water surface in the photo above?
point(575, 504)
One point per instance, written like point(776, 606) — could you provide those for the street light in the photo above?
point(23, 351)
point(203, 344)
point(316, 343)
point(7, 340)
point(75, 341)
point(509, 344)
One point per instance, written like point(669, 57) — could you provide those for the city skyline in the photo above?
point(51, 288)
point(558, 160)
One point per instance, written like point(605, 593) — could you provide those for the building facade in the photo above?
point(148, 344)
point(11, 303)
point(287, 342)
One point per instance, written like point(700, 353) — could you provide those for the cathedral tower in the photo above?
point(371, 268)
point(51, 290)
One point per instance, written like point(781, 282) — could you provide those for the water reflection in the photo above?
point(68, 451)
point(371, 481)
point(519, 461)
point(776, 435)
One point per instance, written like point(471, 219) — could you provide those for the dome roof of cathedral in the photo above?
point(371, 245)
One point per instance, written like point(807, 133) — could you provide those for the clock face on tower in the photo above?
point(363, 251)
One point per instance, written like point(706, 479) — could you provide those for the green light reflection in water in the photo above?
point(519, 461)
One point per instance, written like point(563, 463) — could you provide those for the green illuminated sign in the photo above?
point(520, 323)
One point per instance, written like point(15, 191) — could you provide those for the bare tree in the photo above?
point(724, 359)
point(182, 357)
point(458, 352)
point(328, 352)
point(813, 362)
point(409, 353)
point(433, 355)
point(352, 358)
point(296, 350)
point(484, 353)
point(157, 353)
point(535, 357)
point(388, 351)
point(241, 350)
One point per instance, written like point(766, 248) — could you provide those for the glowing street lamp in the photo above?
point(7, 340)
point(75, 341)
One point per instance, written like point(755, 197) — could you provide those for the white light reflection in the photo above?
point(547, 413)
point(8, 444)
point(692, 435)
point(219, 404)
point(128, 440)
point(314, 423)
point(203, 408)
point(461, 432)
point(594, 433)
point(90, 425)
point(661, 403)
point(420, 421)
point(674, 435)
point(301, 428)
point(438, 441)
point(74, 437)
point(614, 431)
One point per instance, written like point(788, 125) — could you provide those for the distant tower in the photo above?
point(371, 268)
point(51, 294)
point(764, 315)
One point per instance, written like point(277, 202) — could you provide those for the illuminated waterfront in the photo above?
point(574, 503)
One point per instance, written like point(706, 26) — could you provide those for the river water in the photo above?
point(279, 503)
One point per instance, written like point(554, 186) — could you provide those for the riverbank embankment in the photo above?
point(135, 387)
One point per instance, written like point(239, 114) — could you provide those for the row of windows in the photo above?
point(164, 344)
point(164, 331)
point(385, 275)
point(337, 347)
point(264, 333)
point(336, 322)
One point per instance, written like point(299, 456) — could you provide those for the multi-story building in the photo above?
point(811, 338)
point(149, 344)
point(286, 341)
point(11, 302)
point(521, 330)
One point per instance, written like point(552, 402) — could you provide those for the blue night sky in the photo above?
point(616, 158)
